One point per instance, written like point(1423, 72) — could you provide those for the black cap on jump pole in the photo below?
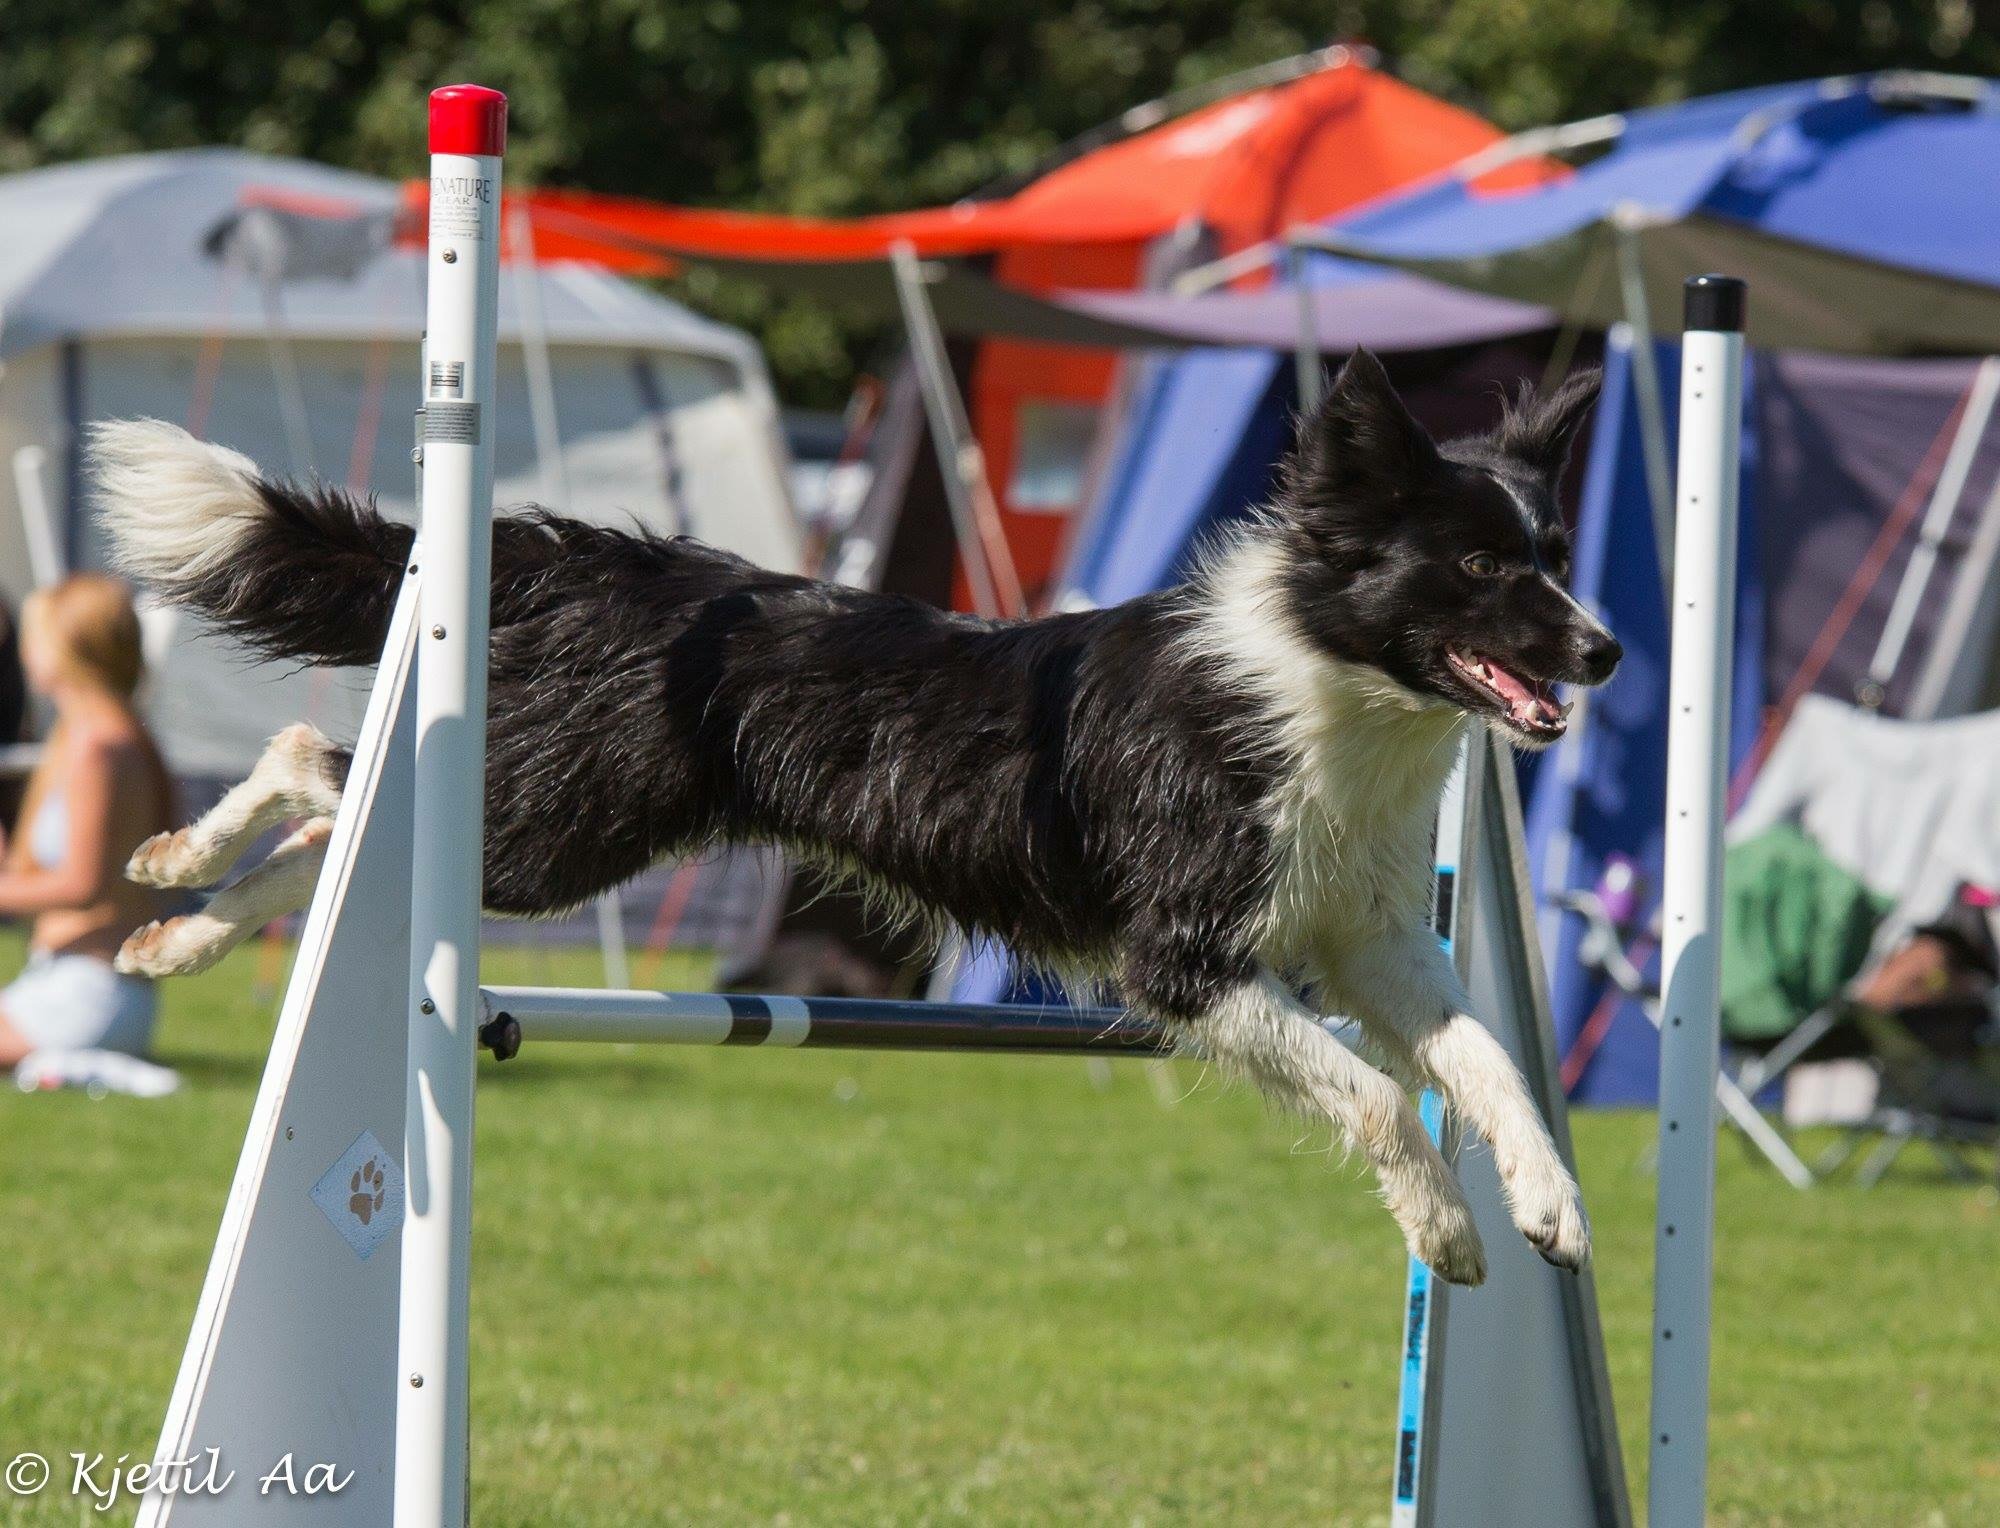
point(1714, 303)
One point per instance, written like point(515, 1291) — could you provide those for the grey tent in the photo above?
point(183, 286)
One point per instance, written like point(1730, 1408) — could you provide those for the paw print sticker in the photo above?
point(360, 1193)
point(366, 1192)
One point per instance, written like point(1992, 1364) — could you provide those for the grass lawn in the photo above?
point(724, 1287)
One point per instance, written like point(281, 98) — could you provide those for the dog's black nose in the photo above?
point(1601, 652)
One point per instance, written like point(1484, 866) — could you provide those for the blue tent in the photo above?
point(1862, 210)
point(1204, 431)
point(1603, 791)
point(1831, 444)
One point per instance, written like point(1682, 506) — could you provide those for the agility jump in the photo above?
point(271, 1368)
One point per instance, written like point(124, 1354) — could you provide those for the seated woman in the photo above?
point(100, 787)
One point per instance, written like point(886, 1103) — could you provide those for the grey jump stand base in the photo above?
point(1515, 1424)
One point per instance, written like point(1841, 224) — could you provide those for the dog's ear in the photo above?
point(1360, 437)
point(1540, 431)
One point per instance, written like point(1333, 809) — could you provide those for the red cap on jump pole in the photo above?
point(468, 119)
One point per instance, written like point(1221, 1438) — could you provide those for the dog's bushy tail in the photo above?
point(295, 571)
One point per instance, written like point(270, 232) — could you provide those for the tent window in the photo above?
point(1051, 449)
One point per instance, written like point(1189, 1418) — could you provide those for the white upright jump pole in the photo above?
point(468, 133)
point(1704, 615)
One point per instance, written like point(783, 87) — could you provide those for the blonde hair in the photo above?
point(88, 623)
point(87, 626)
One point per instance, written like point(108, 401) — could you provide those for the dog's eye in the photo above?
point(1481, 565)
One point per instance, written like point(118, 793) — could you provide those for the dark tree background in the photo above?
point(838, 106)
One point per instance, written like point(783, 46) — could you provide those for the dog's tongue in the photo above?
point(1530, 705)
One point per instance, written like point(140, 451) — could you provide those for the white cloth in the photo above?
point(77, 1002)
point(97, 1072)
point(1911, 808)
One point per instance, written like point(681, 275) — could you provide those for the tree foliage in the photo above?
point(840, 106)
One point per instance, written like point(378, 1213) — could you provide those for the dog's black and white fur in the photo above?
point(1209, 796)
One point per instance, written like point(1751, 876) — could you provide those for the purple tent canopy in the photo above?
point(1389, 313)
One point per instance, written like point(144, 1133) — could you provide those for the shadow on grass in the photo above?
point(211, 1071)
point(202, 1070)
point(608, 1072)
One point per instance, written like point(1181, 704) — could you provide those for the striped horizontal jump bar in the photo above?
point(707, 1018)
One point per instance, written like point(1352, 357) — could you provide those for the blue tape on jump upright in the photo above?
point(1417, 1293)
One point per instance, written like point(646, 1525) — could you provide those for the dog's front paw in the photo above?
point(144, 952)
point(177, 947)
point(137, 954)
point(1447, 1243)
point(1549, 1211)
point(1564, 1240)
point(1424, 1195)
point(165, 859)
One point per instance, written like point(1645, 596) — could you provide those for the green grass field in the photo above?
point(727, 1287)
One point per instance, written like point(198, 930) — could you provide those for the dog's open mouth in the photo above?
point(1529, 704)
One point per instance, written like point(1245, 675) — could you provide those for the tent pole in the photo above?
point(1306, 358)
point(1937, 522)
point(285, 373)
point(38, 523)
point(1960, 661)
point(1703, 620)
point(1198, 279)
point(1646, 386)
point(989, 567)
point(1562, 354)
point(554, 473)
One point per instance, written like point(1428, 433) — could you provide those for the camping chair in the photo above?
point(1608, 910)
point(1930, 1020)
point(1940, 1084)
point(1926, 1020)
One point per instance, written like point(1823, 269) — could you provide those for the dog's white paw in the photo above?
point(1424, 1195)
point(1447, 1242)
point(167, 859)
point(1546, 1205)
point(178, 947)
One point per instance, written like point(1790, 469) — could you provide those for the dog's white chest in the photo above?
point(1353, 822)
point(1365, 762)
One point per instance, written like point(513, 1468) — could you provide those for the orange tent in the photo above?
point(1232, 175)
point(1217, 180)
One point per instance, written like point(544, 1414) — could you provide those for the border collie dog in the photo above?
point(1216, 797)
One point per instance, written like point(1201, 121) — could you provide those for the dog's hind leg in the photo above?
point(1408, 998)
point(299, 776)
point(1260, 1031)
point(192, 943)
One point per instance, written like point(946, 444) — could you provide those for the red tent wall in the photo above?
point(1009, 376)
